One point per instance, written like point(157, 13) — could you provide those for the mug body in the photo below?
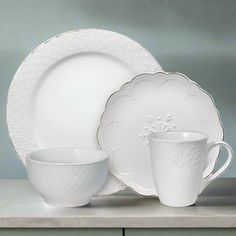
point(178, 161)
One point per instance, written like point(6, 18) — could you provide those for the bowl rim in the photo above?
point(28, 157)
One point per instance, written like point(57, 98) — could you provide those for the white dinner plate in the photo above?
point(58, 93)
point(153, 103)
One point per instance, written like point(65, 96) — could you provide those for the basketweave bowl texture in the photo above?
point(67, 177)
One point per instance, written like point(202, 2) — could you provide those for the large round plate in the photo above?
point(153, 103)
point(58, 94)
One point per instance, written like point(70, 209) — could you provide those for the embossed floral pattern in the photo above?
point(180, 155)
point(160, 124)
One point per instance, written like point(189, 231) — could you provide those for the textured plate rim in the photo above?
point(22, 159)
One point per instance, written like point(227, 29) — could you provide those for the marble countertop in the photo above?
point(21, 206)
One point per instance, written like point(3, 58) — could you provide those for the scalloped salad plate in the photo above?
point(58, 94)
point(153, 103)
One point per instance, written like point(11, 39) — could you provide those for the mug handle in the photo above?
point(214, 175)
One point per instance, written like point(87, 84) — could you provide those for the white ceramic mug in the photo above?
point(179, 160)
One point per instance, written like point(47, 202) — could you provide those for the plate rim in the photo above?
point(29, 55)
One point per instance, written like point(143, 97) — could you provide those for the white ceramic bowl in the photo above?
point(67, 177)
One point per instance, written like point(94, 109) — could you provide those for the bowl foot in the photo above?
point(77, 203)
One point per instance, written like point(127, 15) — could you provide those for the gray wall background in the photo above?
point(195, 37)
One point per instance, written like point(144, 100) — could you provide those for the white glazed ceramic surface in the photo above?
point(58, 94)
point(153, 103)
point(178, 161)
point(67, 177)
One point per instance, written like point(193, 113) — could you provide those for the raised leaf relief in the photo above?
point(180, 155)
point(155, 125)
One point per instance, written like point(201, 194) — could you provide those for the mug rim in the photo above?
point(156, 136)
point(31, 157)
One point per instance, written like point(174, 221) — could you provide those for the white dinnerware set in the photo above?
point(90, 112)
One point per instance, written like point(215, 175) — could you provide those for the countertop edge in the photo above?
point(120, 222)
